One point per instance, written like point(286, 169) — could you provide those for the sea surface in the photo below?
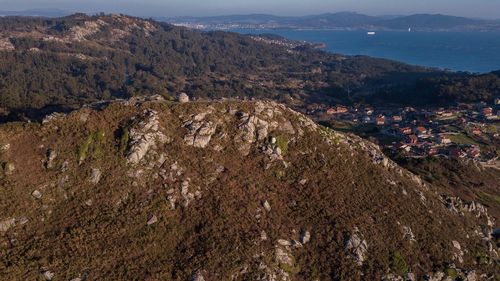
point(459, 51)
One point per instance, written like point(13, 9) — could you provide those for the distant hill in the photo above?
point(63, 63)
point(36, 13)
point(78, 59)
point(424, 21)
point(346, 20)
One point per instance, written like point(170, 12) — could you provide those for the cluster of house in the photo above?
point(427, 132)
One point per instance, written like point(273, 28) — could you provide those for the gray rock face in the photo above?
point(357, 247)
point(263, 235)
point(200, 131)
point(143, 136)
point(458, 254)
point(471, 276)
point(408, 234)
point(284, 242)
point(152, 220)
point(7, 224)
point(435, 276)
point(283, 256)
point(5, 147)
point(197, 276)
point(392, 277)
point(305, 237)
point(267, 206)
point(52, 117)
point(9, 168)
point(48, 275)
point(251, 130)
point(51, 156)
point(37, 194)
point(95, 176)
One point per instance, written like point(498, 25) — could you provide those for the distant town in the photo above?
point(467, 131)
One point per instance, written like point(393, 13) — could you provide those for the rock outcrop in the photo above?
point(200, 130)
point(225, 190)
point(356, 246)
point(145, 135)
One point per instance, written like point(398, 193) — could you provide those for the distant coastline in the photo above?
point(442, 50)
point(343, 21)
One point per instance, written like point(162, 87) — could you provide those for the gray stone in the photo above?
point(284, 242)
point(95, 176)
point(7, 224)
point(263, 235)
point(283, 256)
point(183, 98)
point(152, 220)
point(410, 277)
point(48, 275)
point(23, 220)
point(357, 246)
point(197, 276)
point(143, 136)
point(51, 156)
point(9, 168)
point(305, 237)
point(267, 206)
point(471, 276)
point(37, 194)
point(200, 133)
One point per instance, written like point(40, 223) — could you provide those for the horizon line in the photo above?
point(71, 12)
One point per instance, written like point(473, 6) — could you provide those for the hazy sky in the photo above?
point(470, 8)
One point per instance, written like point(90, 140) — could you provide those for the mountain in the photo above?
point(432, 22)
point(345, 20)
point(60, 64)
point(228, 190)
point(71, 61)
point(37, 13)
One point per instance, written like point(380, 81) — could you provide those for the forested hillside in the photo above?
point(63, 63)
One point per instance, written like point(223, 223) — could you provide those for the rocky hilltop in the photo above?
point(228, 190)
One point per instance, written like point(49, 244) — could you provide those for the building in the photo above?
point(476, 131)
point(342, 109)
point(337, 110)
point(413, 139)
point(443, 139)
point(420, 131)
point(457, 153)
point(431, 151)
point(397, 118)
point(380, 120)
point(487, 111)
point(405, 131)
point(473, 151)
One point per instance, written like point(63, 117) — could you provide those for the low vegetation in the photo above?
point(184, 211)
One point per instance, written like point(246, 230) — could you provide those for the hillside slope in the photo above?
point(154, 190)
